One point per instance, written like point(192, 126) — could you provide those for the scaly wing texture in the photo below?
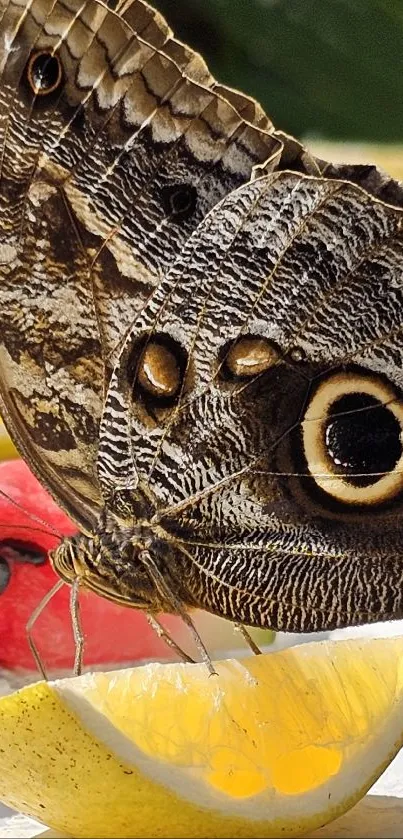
point(110, 155)
point(115, 143)
point(312, 268)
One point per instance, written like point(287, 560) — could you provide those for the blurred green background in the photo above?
point(321, 68)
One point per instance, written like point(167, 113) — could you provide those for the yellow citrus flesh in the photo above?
point(7, 448)
point(272, 745)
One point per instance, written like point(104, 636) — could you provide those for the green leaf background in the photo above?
point(326, 68)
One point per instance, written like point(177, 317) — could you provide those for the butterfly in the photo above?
point(200, 330)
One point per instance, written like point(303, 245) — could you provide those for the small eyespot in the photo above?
point(44, 73)
point(352, 436)
point(296, 355)
point(156, 368)
point(5, 575)
point(248, 357)
point(180, 201)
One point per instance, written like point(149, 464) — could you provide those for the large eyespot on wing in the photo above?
point(352, 437)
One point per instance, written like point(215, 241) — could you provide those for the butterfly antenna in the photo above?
point(32, 620)
point(32, 516)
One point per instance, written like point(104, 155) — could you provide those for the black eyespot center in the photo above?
point(179, 200)
point(44, 73)
point(362, 438)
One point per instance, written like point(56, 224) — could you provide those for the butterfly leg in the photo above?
point(77, 628)
point(177, 607)
point(199, 643)
point(248, 638)
point(164, 635)
point(31, 622)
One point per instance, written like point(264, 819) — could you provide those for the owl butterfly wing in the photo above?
point(292, 154)
point(110, 156)
point(155, 30)
point(263, 405)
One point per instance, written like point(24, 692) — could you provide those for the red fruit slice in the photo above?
point(114, 634)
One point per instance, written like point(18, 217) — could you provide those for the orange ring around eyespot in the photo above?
point(35, 89)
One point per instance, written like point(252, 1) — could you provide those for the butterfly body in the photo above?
point(199, 322)
point(117, 566)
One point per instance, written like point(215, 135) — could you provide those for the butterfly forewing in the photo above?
point(110, 156)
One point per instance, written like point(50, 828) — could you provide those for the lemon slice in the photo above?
point(7, 448)
point(273, 745)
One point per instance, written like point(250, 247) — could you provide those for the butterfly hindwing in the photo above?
point(290, 286)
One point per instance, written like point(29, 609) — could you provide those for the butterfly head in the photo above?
point(125, 568)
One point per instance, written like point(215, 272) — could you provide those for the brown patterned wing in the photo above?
point(259, 399)
point(111, 154)
point(155, 31)
point(294, 155)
